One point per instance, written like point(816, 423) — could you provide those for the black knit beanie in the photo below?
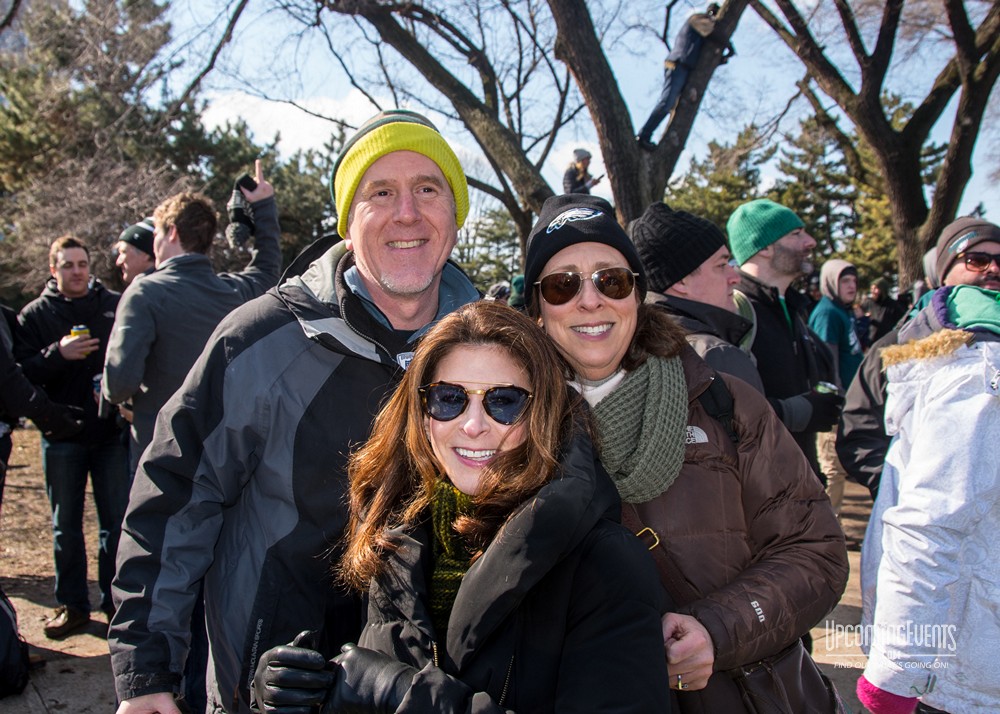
point(672, 244)
point(140, 235)
point(570, 219)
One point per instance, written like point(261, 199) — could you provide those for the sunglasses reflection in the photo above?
point(503, 403)
point(613, 283)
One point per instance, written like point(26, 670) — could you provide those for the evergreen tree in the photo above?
point(729, 176)
point(816, 185)
point(488, 249)
point(77, 133)
point(88, 145)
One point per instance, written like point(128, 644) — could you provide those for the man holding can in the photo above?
point(62, 338)
point(772, 248)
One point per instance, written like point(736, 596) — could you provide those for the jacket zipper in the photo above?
point(367, 338)
point(506, 681)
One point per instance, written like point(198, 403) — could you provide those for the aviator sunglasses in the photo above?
point(613, 283)
point(444, 401)
point(980, 262)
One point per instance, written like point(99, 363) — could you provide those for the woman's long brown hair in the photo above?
point(392, 476)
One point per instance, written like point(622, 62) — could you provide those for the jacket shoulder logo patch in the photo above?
point(695, 435)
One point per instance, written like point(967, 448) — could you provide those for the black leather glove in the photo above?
point(368, 682)
point(60, 422)
point(291, 680)
point(241, 226)
point(826, 408)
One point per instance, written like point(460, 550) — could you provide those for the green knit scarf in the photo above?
point(451, 557)
point(642, 425)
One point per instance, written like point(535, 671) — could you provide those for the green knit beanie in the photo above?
point(756, 225)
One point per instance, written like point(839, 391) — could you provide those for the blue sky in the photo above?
point(755, 84)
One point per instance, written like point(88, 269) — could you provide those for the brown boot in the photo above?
point(65, 621)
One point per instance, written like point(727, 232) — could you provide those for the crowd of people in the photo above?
point(611, 483)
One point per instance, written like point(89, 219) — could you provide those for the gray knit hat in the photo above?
point(961, 235)
point(673, 244)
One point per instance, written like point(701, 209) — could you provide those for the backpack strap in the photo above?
point(718, 402)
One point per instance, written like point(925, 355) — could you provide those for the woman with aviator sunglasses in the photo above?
point(484, 530)
point(744, 537)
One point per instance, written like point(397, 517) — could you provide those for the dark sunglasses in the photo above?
point(444, 401)
point(613, 283)
point(980, 262)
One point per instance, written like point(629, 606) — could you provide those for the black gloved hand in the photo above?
point(368, 682)
point(60, 422)
point(241, 226)
point(826, 408)
point(291, 680)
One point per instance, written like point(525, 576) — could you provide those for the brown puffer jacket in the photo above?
point(749, 528)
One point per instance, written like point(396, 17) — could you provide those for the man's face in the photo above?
point(132, 261)
point(791, 254)
point(713, 281)
point(958, 274)
point(72, 272)
point(401, 225)
point(847, 288)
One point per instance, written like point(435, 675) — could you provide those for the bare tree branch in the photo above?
point(851, 30)
point(210, 65)
point(802, 43)
point(347, 71)
point(828, 123)
point(11, 15)
point(948, 81)
point(482, 120)
point(965, 36)
point(884, 45)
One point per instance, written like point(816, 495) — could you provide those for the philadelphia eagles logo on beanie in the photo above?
point(572, 218)
point(573, 214)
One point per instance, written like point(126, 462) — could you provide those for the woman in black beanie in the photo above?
point(743, 534)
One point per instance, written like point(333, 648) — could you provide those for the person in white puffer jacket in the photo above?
point(930, 550)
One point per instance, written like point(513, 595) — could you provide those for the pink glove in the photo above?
point(879, 701)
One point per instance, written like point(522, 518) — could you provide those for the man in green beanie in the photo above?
point(772, 247)
point(244, 483)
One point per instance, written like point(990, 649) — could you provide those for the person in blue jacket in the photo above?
point(678, 65)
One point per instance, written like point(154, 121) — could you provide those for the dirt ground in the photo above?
point(77, 676)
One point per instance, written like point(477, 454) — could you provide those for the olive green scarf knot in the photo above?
point(642, 425)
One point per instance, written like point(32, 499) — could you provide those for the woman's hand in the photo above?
point(690, 652)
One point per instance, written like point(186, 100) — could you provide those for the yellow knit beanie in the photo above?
point(388, 131)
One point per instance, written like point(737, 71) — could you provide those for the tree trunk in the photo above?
point(637, 177)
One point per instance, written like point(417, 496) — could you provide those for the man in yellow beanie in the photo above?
point(245, 480)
